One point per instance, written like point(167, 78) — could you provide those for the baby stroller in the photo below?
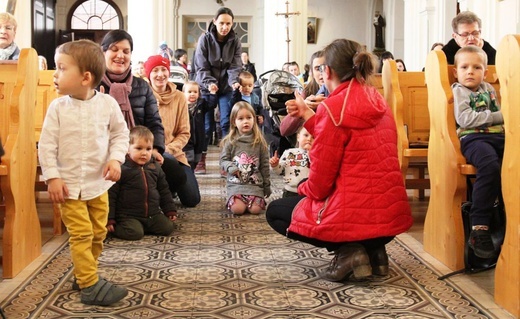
point(178, 75)
point(277, 88)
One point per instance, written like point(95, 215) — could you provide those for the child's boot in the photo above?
point(201, 165)
point(103, 293)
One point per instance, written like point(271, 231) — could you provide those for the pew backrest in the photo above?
point(22, 234)
point(507, 273)
point(45, 93)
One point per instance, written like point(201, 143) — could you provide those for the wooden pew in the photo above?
point(377, 82)
point(22, 234)
point(406, 94)
point(507, 273)
point(46, 92)
point(447, 167)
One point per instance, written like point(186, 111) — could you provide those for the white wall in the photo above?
point(22, 14)
point(412, 25)
point(350, 19)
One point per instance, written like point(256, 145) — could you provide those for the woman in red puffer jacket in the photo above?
point(354, 201)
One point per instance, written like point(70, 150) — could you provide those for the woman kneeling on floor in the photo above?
point(354, 201)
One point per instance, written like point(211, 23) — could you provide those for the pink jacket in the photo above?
point(355, 189)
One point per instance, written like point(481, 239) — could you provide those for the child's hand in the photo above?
point(213, 88)
point(172, 215)
point(112, 171)
point(260, 119)
point(110, 228)
point(57, 190)
point(158, 157)
point(275, 160)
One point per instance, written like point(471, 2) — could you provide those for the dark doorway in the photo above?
point(44, 29)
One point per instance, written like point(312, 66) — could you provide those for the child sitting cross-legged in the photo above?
point(294, 164)
point(141, 202)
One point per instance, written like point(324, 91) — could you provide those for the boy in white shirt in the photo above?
point(83, 142)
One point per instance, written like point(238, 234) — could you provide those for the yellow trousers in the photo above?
point(86, 223)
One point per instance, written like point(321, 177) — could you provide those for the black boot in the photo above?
point(379, 261)
point(348, 259)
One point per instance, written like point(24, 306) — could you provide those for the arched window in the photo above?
point(95, 15)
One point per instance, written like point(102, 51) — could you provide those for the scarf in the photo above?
point(119, 91)
point(6, 53)
point(166, 97)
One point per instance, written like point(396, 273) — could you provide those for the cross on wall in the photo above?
point(287, 15)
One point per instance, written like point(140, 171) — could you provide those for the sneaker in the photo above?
point(482, 244)
point(200, 168)
point(103, 293)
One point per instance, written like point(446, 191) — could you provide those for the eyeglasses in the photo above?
point(6, 27)
point(321, 68)
point(466, 35)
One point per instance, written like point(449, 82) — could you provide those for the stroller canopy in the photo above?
point(280, 88)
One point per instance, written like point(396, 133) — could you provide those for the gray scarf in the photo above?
point(6, 53)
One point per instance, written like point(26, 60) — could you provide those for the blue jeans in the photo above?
point(485, 152)
point(188, 192)
point(225, 110)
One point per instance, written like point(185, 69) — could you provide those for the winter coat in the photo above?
point(215, 64)
point(452, 47)
point(145, 111)
point(141, 192)
point(252, 163)
point(197, 130)
point(173, 110)
point(355, 189)
point(250, 67)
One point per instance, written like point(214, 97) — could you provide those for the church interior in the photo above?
point(219, 265)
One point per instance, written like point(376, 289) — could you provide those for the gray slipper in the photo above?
point(75, 285)
point(103, 293)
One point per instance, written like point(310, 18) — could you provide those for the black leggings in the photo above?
point(279, 214)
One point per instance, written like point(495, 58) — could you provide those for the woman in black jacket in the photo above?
point(248, 65)
point(217, 64)
point(136, 99)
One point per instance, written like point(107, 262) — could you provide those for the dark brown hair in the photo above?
point(349, 60)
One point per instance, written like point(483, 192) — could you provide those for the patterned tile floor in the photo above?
point(216, 265)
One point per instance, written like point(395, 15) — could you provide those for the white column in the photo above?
point(23, 16)
point(149, 33)
point(275, 47)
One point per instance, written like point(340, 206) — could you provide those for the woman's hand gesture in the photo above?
point(298, 108)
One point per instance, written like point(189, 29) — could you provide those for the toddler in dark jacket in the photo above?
point(141, 202)
point(197, 107)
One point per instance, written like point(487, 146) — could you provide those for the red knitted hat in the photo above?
point(153, 61)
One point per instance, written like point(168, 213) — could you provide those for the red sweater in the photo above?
point(355, 189)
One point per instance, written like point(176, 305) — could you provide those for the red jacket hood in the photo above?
point(351, 115)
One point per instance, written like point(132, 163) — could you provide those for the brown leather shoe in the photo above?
point(349, 259)
point(379, 261)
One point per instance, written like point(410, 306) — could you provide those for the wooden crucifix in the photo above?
point(287, 15)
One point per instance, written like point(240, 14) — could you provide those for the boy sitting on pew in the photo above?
point(481, 132)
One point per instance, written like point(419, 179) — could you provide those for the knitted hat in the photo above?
point(153, 61)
